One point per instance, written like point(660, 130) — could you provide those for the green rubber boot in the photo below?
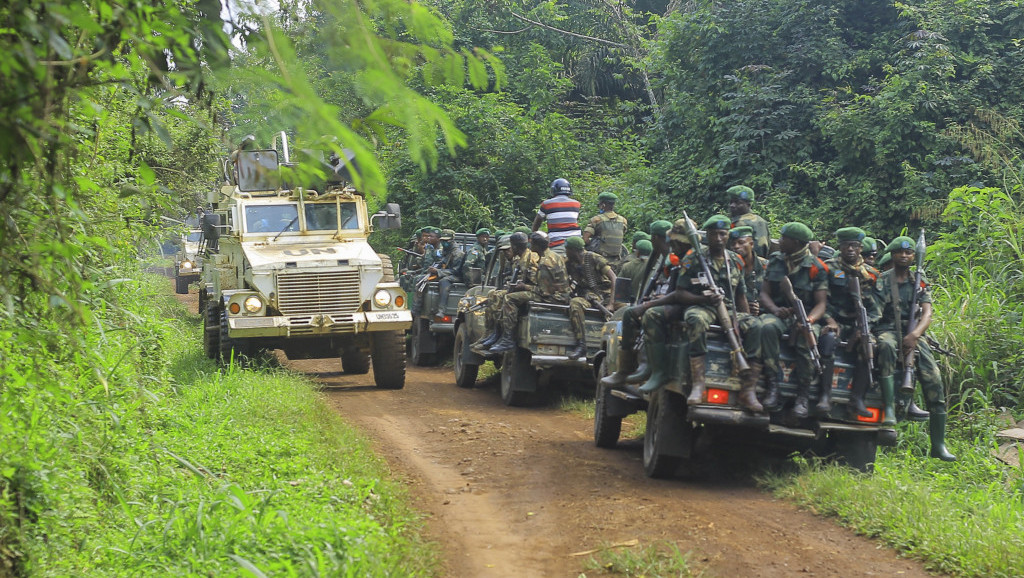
point(888, 398)
point(937, 433)
point(642, 373)
point(657, 360)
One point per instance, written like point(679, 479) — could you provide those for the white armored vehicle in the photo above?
point(289, 267)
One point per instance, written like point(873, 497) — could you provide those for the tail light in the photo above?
point(875, 417)
point(718, 396)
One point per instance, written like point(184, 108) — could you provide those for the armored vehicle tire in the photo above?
point(856, 450)
point(211, 330)
point(389, 269)
point(355, 361)
point(607, 429)
point(666, 415)
point(516, 370)
point(231, 348)
point(387, 350)
point(416, 353)
point(181, 285)
point(465, 373)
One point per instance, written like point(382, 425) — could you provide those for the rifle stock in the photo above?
point(867, 348)
point(805, 323)
point(907, 386)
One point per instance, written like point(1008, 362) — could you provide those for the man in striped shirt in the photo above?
point(562, 213)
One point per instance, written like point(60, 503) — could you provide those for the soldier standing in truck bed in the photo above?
point(592, 280)
point(740, 199)
point(476, 258)
point(449, 269)
point(634, 269)
point(552, 286)
point(606, 230)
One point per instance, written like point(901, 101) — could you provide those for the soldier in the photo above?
point(869, 251)
point(841, 315)
point(634, 269)
point(592, 280)
point(605, 231)
point(809, 278)
point(894, 293)
point(562, 212)
point(701, 312)
point(449, 268)
point(551, 286)
point(524, 270)
point(477, 256)
point(419, 267)
point(740, 199)
point(754, 266)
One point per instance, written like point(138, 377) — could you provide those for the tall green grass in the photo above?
point(125, 452)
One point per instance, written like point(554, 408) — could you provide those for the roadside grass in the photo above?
point(964, 518)
point(633, 426)
point(663, 560)
point(152, 461)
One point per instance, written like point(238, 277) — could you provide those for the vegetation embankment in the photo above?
point(124, 451)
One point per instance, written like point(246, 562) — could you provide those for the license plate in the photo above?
point(383, 316)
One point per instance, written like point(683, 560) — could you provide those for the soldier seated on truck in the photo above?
point(522, 266)
point(422, 265)
point(591, 280)
point(633, 270)
point(476, 258)
point(448, 269)
point(552, 286)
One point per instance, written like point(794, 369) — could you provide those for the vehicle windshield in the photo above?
point(272, 218)
point(324, 216)
point(193, 237)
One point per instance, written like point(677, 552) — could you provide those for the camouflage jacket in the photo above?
point(728, 278)
point(762, 238)
point(607, 231)
point(477, 257)
point(552, 283)
point(525, 268)
point(632, 271)
point(905, 292)
point(450, 263)
point(842, 305)
point(810, 276)
point(588, 276)
point(754, 278)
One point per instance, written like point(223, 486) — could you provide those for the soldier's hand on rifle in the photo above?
point(909, 343)
point(520, 287)
point(712, 298)
point(754, 307)
point(832, 326)
point(432, 270)
point(784, 312)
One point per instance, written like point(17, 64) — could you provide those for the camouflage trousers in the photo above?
point(492, 313)
point(698, 319)
point(772, 329)
point(578, 313)
point(655, 322)
point(511, 304)
point(926, 370)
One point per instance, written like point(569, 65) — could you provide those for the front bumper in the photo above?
point(319, 324)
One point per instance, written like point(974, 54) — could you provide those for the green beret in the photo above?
point(739, 232)
point(640, 236)
point(869, 245)
point(433, 230)
point(644, 247)
point(574, 243)
point(884, 260)
point(418, 232)
point(447, 234)
point(523, 229)
point(659, 228)
point(505, 242)
point(798, 231)
point(717, 222)
point(483, 231)
point(901, 243)
point(740, 192)
point(850, 234)
point(607, 198)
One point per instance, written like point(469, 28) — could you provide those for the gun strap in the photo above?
point(898, 309)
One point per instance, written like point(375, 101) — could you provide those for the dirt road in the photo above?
point(517, 491)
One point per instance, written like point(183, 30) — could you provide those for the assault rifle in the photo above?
point(511, 283)
point(915, 318)
point(409, 252)
point(805, 324)
point(867, 348)
point(575, 290)
point(727, 321)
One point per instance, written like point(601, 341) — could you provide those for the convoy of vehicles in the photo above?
point(188, 262)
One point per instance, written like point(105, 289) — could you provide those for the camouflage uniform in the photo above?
point(889, 349)
point(762, 238)
point(631, 271)
point(842, 306)
point(552, 286)
point(809, 277)
point(448, 273)
point(584, 277)
point(475, 258)
point(607, 231)
point(753, 279)
point(526, 266)
point(655, 320)
point(698, 318)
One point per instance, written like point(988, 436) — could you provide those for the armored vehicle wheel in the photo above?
point(516, 375)
point(668, 434)
point(606, 428)
point(420, 331)
point(231, 348)
point(181, 285)
point(389, 269)
point(355, 361)
point(211, 330)
point(465, 373)
point(387, 350)
point(856, 450)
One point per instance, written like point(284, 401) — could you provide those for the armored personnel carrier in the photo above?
point(289, 267)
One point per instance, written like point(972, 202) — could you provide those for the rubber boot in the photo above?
point(487, 341)
point(771, 396)
point(910, 410)
point(697, 384)
point(824, 405)
point(642, 373)
point(888, 398)
point(627, 363)
point(800, 405)
point(937, 433)
point(748, 388)
point(657, 358)
point(504, 345)
point(860, 387)
point(580, 350)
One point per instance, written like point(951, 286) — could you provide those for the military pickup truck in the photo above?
point(673, 427)
point(539, 362)
point(188, 262)
point(289, 267)
point(431, 336)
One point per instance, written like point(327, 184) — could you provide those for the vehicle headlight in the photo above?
point(382, 298)
point(186, 264)
point(253, 304)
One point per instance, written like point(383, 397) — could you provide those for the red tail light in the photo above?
point(719, 396)
point(875, 417)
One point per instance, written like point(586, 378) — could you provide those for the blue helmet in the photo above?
point(559, 187)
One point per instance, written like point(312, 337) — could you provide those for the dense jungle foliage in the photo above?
point(891, 116)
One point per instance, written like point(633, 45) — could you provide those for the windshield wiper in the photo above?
point(286, 227)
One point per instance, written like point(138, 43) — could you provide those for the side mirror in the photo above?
point(390, 217)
